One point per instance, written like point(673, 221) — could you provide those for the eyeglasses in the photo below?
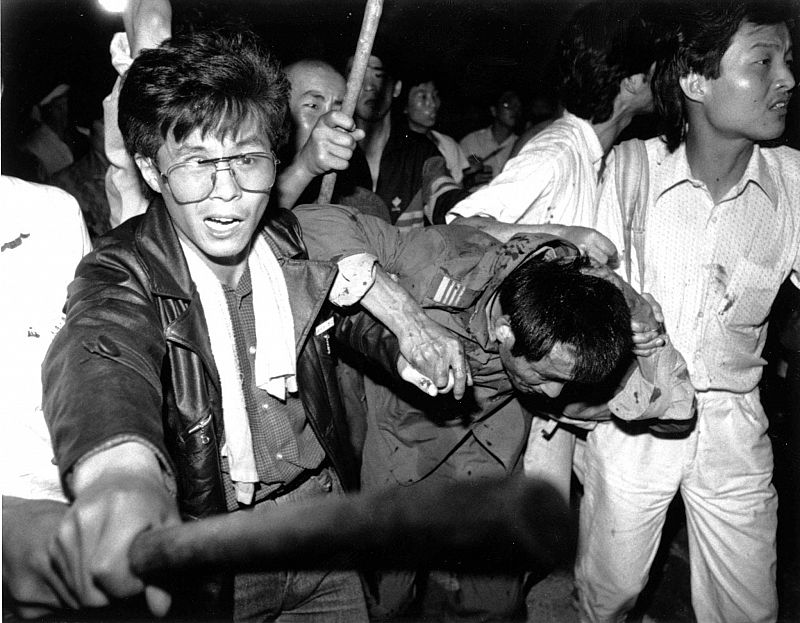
point(194, 181)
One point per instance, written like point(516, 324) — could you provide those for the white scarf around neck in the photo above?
point(275, 358)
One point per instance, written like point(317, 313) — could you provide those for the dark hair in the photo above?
point(209, 80)
point(704, 33)
point(604, 43)
point(414, 77)
point(555, 302)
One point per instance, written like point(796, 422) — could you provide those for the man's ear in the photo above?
point(398, 86)
point(149, 172)
point(635, 83)
point(503, 332)
point(694, 86)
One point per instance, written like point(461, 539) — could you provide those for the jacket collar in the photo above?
point(308, 281)
point(169, 273)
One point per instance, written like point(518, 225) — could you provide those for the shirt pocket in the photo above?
point(750, 294)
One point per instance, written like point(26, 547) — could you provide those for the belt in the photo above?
point(303, 477)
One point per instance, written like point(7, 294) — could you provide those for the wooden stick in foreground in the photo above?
point(499, 525)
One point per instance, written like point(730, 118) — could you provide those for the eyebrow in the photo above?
point(772, 45)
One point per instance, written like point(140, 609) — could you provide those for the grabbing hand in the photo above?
point(331, 143)
point(647, 322)
point(435, 354)
point(89, 551)
point(592, 243)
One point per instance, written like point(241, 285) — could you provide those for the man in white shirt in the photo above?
point(551, 186)
point(722, 232)
point(43, 238)
point(492, 145)
point(554, 178)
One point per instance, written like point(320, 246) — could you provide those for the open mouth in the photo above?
point(221, 223)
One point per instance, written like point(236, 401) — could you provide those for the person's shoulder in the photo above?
point(473, 136)
point(40, 203)
point(555, 139)
point(783, 160)
point(45, 196)
point(656, 149)
point(445, 139)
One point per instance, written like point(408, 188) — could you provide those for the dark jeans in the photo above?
point(309, 596)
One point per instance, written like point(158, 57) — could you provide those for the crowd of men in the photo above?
point(531, 306)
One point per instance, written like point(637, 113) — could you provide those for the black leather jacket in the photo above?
point(134, 360)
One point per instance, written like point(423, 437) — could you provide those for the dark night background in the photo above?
point(477, 47)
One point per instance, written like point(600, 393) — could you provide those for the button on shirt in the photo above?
point(283, 441)
point(552, 180)
point(716, 268)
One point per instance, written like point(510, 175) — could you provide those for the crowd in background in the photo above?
point(404, 181)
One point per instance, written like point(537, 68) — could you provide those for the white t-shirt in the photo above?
point(43, 237)
point(453, 155)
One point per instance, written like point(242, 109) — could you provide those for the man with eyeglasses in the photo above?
point(194, 373)
point(491, 146)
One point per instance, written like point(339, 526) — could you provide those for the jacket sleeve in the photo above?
point(668, 399)
point(332, 232)
point(102, 375)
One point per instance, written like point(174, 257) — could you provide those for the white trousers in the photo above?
point(723, 471)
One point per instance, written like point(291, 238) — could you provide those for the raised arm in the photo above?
point(329, 148)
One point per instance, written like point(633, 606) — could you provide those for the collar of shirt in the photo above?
point(589, 136)
point(243, 289)
point(673, 169)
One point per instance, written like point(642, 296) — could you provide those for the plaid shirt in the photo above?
point(283, 441)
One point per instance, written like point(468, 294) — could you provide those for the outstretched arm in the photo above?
point(590, 241)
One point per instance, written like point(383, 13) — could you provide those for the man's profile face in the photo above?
point(547, 376)
point(221, 226)
point(316, 90)
point(422, 106)
point(377, 91)
point(750, 97)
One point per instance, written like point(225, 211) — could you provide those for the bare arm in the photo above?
point(429, 348)
point(147, 23)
